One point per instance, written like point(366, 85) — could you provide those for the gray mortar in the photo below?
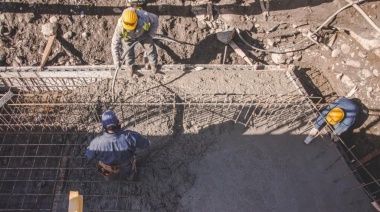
point(259, 171)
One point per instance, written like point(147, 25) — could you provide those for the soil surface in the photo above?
point(347, 55)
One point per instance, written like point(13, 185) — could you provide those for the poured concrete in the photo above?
point(252, 171)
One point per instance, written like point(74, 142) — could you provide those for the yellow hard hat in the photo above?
point(335, 116)
point(130, 19)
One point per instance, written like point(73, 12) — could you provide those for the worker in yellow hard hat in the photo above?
point(341, 114)
point(135, 25)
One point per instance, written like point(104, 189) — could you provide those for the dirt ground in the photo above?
point(347, 57)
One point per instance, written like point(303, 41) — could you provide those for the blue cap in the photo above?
point(109, 119)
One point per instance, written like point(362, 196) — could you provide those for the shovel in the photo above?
point(226, 38)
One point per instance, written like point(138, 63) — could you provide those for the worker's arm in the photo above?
point(90, 154)
point(115, 45)
point(91, 151)
point(153, 20)
point(340, 128)
point(138, 140)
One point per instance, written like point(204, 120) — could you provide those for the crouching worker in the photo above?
point(135, 26)
point(340, 115)
point(115, 148)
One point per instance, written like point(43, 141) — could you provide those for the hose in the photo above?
point(118, 68)
point(164, 37)
point(156, 37)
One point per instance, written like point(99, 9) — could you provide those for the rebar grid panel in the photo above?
point(41, 160)
point(38, 171)
point(57, 112)
point(267, 111)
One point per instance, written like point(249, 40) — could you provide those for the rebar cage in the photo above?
point(44, 132)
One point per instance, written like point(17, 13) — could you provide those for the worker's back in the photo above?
point(117, 148)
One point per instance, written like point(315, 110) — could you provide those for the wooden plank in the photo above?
point(4, 99)
point(239, 52)
point(58, 74)
point(367, 158)
point(47, 50)
point(75, 202)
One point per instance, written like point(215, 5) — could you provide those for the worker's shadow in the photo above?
point(69, 48)
point(208, 50)
point(199, 56)
point(309, 77)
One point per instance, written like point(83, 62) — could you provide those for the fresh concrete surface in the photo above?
point(249, 171)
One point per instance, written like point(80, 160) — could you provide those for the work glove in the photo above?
point(312, 134)
point(334, 137)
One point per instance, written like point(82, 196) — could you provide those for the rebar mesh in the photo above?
point(38, 171)
point(46, 126)
point(44, 136)
point(55, 112)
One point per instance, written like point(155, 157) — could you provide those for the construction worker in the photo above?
point(135, 25)
point(115, 148)
point(340, 115)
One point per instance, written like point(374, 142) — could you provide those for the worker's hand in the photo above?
point(314, 132)
point(334, 138)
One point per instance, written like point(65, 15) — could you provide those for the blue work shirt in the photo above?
point(117, 148)
point(350, 109)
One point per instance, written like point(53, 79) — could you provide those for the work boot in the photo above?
point(131, 177)
point(154, 69)
point(129, 71)
point(334, 138)
point(147, 65)
point(308, 139)
point(107, 178)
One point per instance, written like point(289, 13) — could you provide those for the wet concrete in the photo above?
point(252, 171)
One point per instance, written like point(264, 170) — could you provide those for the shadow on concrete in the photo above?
point(209, 44)
point(212, 45)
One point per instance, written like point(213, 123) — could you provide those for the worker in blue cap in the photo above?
point(115, 148)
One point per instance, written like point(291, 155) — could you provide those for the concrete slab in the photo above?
point(271, 172)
